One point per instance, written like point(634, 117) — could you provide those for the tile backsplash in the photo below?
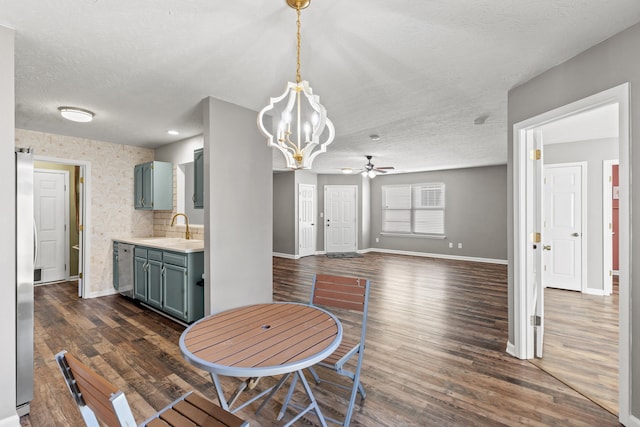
point(162, 221)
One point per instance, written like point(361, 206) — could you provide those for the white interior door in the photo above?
point(563, 226)
point(340, 210)
point(306, 220)
point(51, 217)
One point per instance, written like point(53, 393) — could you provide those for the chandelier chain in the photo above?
point(298, 79)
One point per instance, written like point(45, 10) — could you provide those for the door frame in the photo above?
point(67, 227)
point(84, 254)
point(355, 204)
point(584, 171)
point(520, 347)
point(607, 223)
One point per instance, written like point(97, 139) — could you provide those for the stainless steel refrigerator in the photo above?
point(25, 256)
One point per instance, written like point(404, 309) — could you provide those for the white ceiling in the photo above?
point(417, 73)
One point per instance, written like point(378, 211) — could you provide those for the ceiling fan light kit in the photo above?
point(370, 170)
point(300, 129)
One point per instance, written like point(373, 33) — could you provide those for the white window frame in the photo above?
point(402, 210)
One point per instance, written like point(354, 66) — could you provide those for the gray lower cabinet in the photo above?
point(170, 281)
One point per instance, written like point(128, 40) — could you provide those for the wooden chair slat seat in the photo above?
point(98, 399)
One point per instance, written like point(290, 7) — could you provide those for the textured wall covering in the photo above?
point(111, 199)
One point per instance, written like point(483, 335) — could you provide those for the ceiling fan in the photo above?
point(369, 169)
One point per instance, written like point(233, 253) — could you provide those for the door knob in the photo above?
point(546, 247)
point(576, 234)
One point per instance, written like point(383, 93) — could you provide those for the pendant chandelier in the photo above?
point(299, 125)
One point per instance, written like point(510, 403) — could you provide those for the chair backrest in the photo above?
point(95, 396)
point(349, 293)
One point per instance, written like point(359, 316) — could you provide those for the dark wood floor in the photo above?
point(435, 351)
point(581, 343)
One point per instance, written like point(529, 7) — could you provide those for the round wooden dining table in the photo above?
point(262, 340)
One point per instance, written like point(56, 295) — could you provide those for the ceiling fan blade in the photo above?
point(385, 167)
point(379, 170)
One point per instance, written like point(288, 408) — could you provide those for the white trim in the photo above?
point(511, 349)
point(633, 421)
point(409, 253)
point(102, 293)
point(415, 236)
point(441, 256)
point(620, 95)
point(607, 220)
point(86, 201)
point(10, 421)
point(282, 255)
point(592, 291)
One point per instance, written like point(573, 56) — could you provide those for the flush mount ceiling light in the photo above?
point(76, 114)
point(299, 125)
point(173, 132)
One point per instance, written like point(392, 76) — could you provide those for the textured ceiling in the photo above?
point(417, 73)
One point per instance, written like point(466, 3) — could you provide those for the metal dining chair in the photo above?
point(347, 293)
point(98, 399)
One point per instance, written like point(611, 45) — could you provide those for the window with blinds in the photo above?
point(413, 209)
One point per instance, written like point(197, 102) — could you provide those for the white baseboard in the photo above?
point(634, 421)
point(590, 291)
point(396, 252)
point(288, 256)
point(10, 421)
point(442, 256)
point(511, 349)
point(103, 293)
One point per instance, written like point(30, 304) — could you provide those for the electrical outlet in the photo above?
point(451, 244)
point(459, 245)
point(377, 240)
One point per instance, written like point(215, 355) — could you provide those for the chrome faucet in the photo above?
point(187, 233)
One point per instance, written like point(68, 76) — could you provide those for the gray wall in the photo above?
point(284, 219)
point(285, 209)
point(475, 213)
point(609, 64)
point(238, 208)
point(592, 152)
point(8, 414)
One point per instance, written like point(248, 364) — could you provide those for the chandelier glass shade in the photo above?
point(296, 122)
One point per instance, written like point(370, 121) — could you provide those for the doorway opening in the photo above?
point(528, 308)
point(73, 222)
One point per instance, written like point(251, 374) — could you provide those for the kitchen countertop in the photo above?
point(176, 244)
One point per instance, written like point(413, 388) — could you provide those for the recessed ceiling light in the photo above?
point(173, 132)
point(76, 114)
point(374, 137)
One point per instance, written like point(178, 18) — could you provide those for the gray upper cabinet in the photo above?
point(153, 189)
point(198, 179)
